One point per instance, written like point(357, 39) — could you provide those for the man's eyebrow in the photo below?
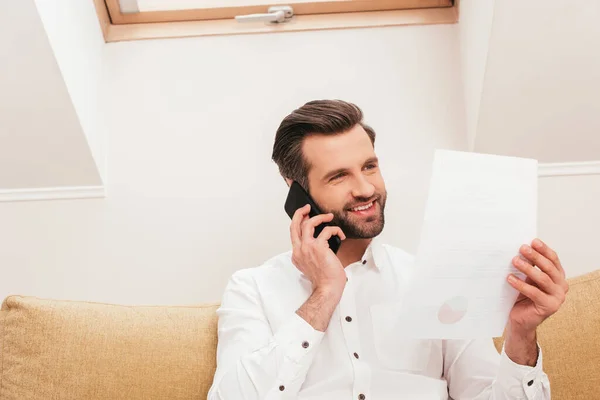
point(333, 173)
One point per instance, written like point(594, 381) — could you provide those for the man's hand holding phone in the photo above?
point(313, 257)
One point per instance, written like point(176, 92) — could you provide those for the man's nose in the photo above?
point(363, 188)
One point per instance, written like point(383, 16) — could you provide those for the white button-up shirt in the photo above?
point(266, 351)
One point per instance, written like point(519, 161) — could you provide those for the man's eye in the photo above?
point(371, 166)
point(338, 176)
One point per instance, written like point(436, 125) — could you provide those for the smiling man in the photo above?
point(311, 324)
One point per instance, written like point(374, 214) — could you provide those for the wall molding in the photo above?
point(93, 192)
point(569, 169)
point(57, 193)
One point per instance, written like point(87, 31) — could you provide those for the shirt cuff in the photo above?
point(298, 341)
point(519, 379)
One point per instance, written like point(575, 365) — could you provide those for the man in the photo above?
point(310, 324)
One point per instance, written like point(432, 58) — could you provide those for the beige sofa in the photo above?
point(68, 350)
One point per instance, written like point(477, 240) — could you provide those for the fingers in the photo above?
point(330, 231)
point(543, 263)
point(302, 228)
point(546, 285)
point(543, 249)
point(545, 303)
point(535, 294)
point(538, 276)
point(309, 225)
point(295, 226)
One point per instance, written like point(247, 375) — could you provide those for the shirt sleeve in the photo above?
point(253, 362)
point(475, 371)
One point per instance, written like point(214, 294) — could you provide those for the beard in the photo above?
point(361, 228)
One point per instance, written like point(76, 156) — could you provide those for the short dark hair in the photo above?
point(319, 117)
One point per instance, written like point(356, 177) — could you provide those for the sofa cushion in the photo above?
point(71, 350)
point(569, 341)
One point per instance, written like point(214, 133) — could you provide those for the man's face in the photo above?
point(343, 175)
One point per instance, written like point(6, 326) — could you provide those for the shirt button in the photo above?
point(364, 262)
point(530, 383)
point(356, 355)
point(282, 388)
point(349, 318)
point(305, 345)
point(361, 397)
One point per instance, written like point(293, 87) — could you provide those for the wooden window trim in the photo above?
point(124, 31)
point(303, 8)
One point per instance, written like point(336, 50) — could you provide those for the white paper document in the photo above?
point(480, 210)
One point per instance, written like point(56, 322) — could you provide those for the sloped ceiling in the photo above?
point(42, 143)
point(541, 86)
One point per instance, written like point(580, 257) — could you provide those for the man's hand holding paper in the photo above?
point(480, 212)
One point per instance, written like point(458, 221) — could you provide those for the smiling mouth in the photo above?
point(363, 207)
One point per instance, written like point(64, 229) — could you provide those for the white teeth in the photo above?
point(362, 208)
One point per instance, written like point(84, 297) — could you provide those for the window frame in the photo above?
point(117, 26)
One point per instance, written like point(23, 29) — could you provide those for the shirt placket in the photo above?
point(361, 389)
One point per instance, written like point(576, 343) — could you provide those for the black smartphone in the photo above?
point(298, 198)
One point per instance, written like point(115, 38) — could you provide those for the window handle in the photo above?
point(275, 15)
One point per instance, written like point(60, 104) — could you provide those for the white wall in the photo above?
point(569, 220)
point(192, 193)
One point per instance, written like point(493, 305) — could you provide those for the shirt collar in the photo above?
point(375, 254)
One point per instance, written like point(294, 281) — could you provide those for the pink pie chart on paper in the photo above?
point(453, 310)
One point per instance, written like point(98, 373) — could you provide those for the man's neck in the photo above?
point(352, 250)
